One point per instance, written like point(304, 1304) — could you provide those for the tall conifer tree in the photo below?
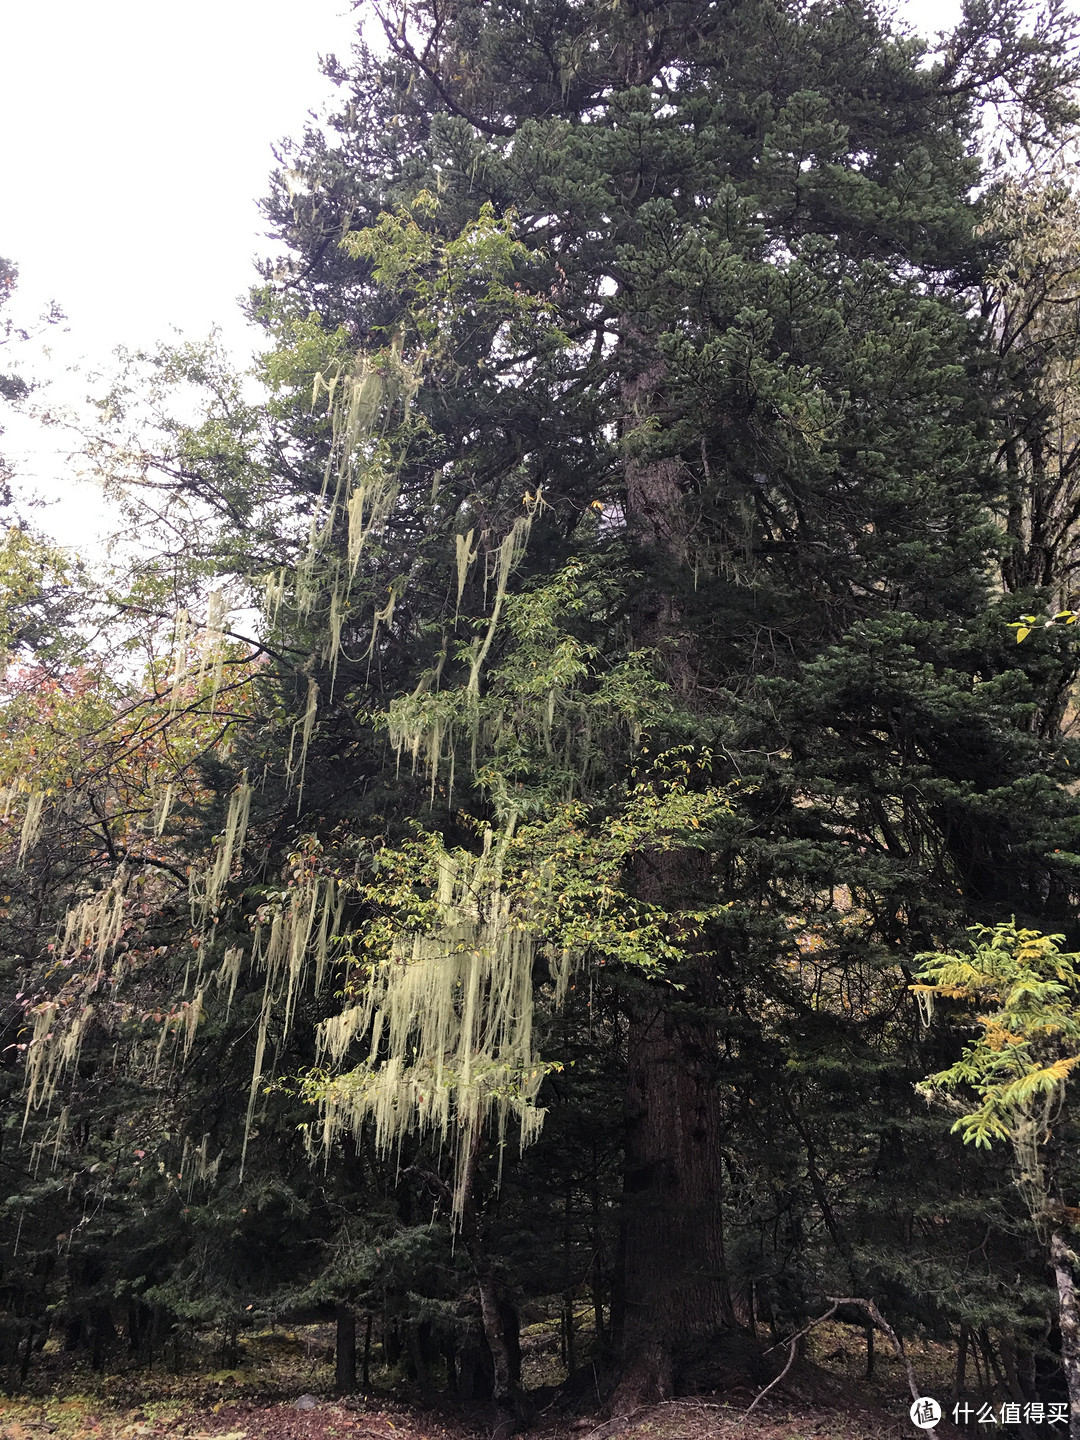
point(757, 230)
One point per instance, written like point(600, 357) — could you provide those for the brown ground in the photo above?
point(824, 1398)
point(281, 1420)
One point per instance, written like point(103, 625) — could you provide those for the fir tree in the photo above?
point(777, 392)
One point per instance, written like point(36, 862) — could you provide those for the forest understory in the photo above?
point(282, 1388)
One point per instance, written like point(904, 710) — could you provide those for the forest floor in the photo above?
point(283, 1391)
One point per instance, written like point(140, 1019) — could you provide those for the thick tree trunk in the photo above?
point(1063, 1261)
point(657, 517)
point(675, 1297)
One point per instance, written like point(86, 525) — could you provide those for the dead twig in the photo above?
point(879, 1320)
point(793, 1343)
point(806, 1328)
point(790, 1361)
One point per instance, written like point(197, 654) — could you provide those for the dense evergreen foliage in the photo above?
point(670, 420)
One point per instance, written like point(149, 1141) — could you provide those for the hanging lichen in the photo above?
point(441, 1037)
point(361, 478)
point(163, 810)
point(291, 948)
point(506, 558)
point(447, 1019)
point(212, 649)
point(51, 1141)
point(196, 1165)
point(369, 403)
point(274, 589)
point(360, 487)
point(423, 724)
point(206, 886)
point(291, 934)
point(465, 556)
point(31, 826)
point(229, 973)
point(199, 655)
point(180, 660)
point(95, 925)
point(544, 715)
point(49, 1057)
point(305, 727)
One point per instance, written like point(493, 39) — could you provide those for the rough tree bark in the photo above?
point(674, 1296)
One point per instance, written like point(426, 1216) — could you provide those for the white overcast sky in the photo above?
point(137, 140)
